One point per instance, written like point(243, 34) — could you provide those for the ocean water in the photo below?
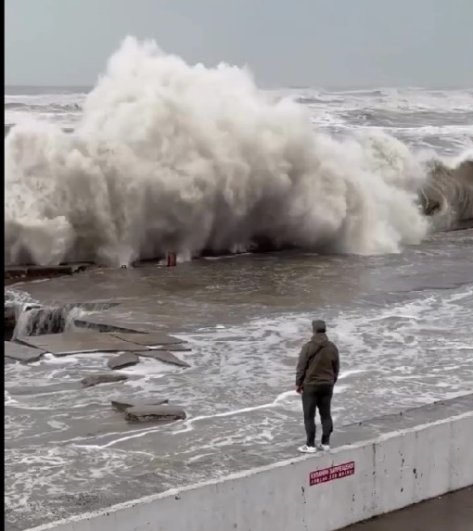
point(170, 156)
point(439, 121)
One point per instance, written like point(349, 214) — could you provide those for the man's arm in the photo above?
point(336, 363)
point(301, 366)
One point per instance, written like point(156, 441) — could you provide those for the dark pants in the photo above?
point(317, 397)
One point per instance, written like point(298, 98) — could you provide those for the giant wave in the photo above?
point(171, 157)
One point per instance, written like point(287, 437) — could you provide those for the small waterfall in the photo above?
point(25, 316)
point(16, 302)
point(39, 320)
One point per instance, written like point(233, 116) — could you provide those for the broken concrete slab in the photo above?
point(106, 377)
point(121, 404)
point(164, 413)
point(149, 339)
point(33, 271)
point(102, 324)
point(14, 271)
point(77, 342)
point(127, 359)
point(92, 306)
point(164, 356)
point(23, 353)
point(63, 268)
point(174, 348)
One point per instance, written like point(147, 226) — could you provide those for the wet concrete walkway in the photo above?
point(452, 512)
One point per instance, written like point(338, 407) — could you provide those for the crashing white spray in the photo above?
point(172, 157)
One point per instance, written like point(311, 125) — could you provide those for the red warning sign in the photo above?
point(334, 472)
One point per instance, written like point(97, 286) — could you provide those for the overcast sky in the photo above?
point(323, 43)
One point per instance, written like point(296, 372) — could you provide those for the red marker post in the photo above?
point(171, 259)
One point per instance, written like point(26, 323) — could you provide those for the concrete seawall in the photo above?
point(412, 457)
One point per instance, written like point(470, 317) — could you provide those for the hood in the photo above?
point(319, 338)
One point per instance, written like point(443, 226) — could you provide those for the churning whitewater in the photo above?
point(172, 157)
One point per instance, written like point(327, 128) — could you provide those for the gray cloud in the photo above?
point(331, 43)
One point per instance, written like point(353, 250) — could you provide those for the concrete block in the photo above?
point(163, 413)
point(121, 404)
point(81, 341)
point(100, 378)
point(23, 353)
point(164, 356)
point(150, 339)
point(127, 359)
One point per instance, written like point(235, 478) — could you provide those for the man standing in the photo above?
point(316, 375)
